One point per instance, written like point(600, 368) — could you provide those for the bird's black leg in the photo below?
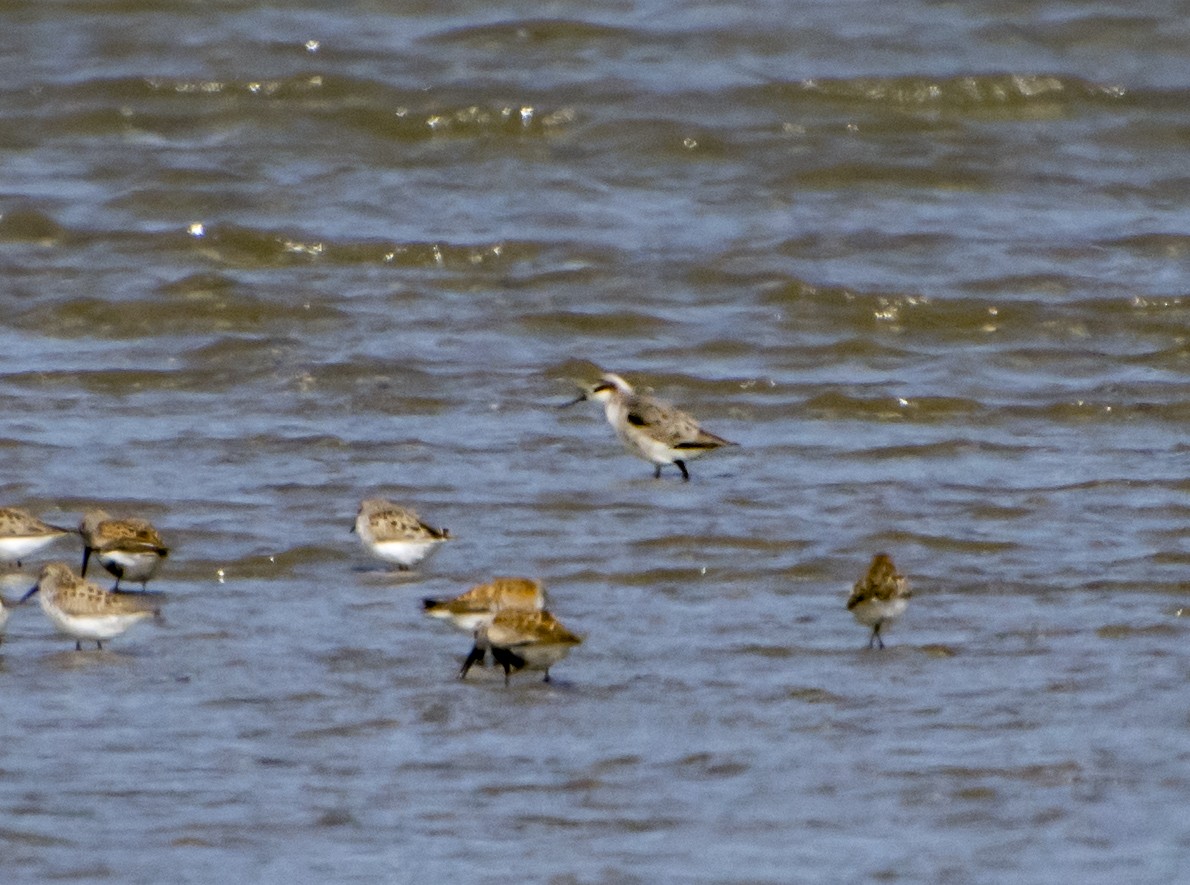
point(682, 467)
point(508, 660)
point(86, 559)
point(475, 657)
point(656, 471)
point(547, 675)
point(99, 644)
point(876, 637)
point(78, 645)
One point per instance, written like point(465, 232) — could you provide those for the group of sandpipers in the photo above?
point(506, 616)
point(131, 549)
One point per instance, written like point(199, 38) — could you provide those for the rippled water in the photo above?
point(928, 264)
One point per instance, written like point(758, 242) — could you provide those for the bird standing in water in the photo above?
point(880, 597)
point(650, 428)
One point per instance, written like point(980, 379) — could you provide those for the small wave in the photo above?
point(1004, 91)
point(110, 382)
point(514, 33)
point(154, 315)
point(597, 324)
point(467, 120)
point(1101, 409)
point(29, 224)
point(169, 107)
point(251, 247)
point(925, 175)
point(240, 246)
point(702, 544)
point(948, 543)
point(1132, 631)
point(837, 404)
point(1157, 244)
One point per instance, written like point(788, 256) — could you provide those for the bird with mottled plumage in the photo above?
point(396, 534)
point(83, 610)
point(22, 533)
point(521, 640)
point(481, 603)
point(131, 548)
point(879, 597)
point(650, 428)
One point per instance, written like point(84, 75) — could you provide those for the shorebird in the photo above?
point(522, 640)
point(84, 610)
point(131, 549)
point(21, 533)
point(649, 428)
point(480, 604)
point(395, 534)
point(880, 597)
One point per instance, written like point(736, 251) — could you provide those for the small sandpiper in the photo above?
point(649, 428)
point(481, 603)
point(880, 597)
point(521, 640)
point(395, 533)
point(22, 533)
point(84, 610)
point(131, 549)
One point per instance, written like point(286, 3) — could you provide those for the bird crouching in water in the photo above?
point(131, 549)
point(522, 640)
point(880, 597)
point(481, 603)
point(650, 428)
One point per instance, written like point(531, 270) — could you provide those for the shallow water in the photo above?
point(929, 266)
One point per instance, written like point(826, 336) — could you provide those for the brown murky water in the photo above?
point(929, 266)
